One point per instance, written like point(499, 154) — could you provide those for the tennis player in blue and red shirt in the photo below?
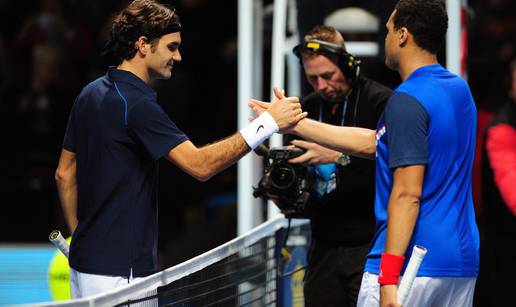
point(424, 148)
point(424, 157)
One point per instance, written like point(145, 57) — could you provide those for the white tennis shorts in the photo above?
point(84, 284)
point(425, 292)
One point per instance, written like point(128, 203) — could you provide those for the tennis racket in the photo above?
point(418, 253)
point(57, 239)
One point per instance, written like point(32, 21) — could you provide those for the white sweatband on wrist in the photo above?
point(259, 130)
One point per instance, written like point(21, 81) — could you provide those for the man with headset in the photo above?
point(341, 208)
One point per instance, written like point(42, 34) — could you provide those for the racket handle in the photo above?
point(57, 239)
point(418, 253)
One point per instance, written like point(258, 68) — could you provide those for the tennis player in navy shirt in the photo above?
point(424, 147)
point(107, 172)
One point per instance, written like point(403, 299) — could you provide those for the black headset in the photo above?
point(349, 65)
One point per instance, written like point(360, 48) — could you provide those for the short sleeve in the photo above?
point(406, 121)
point(151, 126)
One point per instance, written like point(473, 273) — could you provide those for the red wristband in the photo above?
point(390, 269)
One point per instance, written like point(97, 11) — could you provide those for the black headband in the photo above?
point(172, 28)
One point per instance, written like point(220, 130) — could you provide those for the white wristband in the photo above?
point(259, 130)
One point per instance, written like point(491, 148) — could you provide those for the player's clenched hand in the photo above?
point(260, 106)
point(286, 111)
point(388, 296)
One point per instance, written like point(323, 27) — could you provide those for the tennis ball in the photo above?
point(59, 276)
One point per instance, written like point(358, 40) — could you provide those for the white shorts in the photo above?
point(425, 292)
point(84, 284)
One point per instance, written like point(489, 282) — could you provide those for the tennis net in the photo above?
point(260, 268)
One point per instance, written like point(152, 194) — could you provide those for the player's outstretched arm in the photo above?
point(360, 142)
point(202, 163)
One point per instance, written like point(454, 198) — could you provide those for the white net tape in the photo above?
point(147, 288)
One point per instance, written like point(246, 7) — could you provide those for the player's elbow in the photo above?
point(370, 152)
point(200, 169)
point(61, 176)
point(194, 162)
point(370, 147)
point(409, 197)
point(367, 147)
point(202, 175)
point(58, 176)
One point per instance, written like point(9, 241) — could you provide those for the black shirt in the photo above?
point(118, 131)
point(347, 217)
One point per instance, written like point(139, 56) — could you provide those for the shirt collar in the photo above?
point(128, 77)
point(425, 69)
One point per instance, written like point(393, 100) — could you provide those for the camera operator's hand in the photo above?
point(286, 111)
point(315, 153)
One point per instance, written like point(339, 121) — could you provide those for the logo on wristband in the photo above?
point(258, 129)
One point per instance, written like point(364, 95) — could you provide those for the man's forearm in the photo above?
point(220, 155)
point(66, 181)
point(402, 215)
point(403, 208)
point(360, 142)
point(68, 197)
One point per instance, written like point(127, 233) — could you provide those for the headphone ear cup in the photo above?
point(349, 66)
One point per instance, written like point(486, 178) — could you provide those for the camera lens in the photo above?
point(282, 176)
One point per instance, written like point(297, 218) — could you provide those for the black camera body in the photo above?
point(285, 183)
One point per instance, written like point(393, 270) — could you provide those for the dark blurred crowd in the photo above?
point(49, 49)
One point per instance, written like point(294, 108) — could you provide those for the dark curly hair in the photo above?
point(141, 18)
point(426, 20)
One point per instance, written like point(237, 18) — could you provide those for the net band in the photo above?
point(239, 272)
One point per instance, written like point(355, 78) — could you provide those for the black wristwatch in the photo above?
point(343, 160)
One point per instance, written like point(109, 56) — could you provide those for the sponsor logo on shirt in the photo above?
point(380, 132)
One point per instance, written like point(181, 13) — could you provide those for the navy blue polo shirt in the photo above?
point(118, 132)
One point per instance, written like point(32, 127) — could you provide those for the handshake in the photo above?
point(280, 115)
point(286, 111)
